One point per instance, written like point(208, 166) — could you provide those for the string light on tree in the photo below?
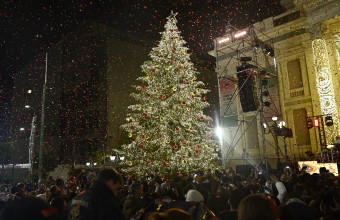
point(172, 119)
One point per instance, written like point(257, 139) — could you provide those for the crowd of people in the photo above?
point(222, 194)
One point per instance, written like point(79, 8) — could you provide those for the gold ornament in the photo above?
point(130, 135)
point(169, 56)
point(184, 52)
point(139, 108)
point(217, 149)
point(191, 129)
point(194, 78)
point(147, 77)
point(174, 88)
point(167, 141)
point(167, 68)
point(150, 107)
point(188, 109)
point(198, 90)
point(161, 118)
point(130, 163)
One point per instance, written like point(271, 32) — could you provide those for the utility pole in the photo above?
point(42, 126)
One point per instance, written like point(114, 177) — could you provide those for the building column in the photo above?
point(325, 86)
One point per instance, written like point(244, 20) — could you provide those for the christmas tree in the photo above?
point(167, 128)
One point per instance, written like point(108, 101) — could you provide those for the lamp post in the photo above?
point(42, 126)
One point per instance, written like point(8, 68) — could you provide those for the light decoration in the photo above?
point(224, 40)
point(325, 86)
point(240, 34)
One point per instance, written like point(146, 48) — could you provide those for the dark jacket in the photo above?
point(98, 203)
point(131, 206)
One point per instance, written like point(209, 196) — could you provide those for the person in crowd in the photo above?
point(194, 196)
point(133, 202)
point(91, 177)
point(297, 204)
point(235, 197)
point(170, 214)
point(258, 207)
point(99, 201)
point(82, 179)
point(29, 208)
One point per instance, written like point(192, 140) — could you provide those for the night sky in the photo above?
point(29, 27)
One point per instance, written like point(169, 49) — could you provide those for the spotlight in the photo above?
point(265, 93)
point(240, 34)
point(269, 51)
point(264, 125)
point(245, 59)
point(224, 40)
point(219, 132)
point(274, 118)
point(267, 104)
point(309, 123)
point(264, 82)
point(329, 120)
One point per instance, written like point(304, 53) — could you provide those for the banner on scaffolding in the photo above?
point(314, 167)
point(228, 103)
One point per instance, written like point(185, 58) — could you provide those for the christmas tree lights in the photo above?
point(167, 128)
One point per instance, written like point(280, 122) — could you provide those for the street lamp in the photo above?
point(31, 138)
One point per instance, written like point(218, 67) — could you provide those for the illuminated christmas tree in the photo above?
point(167, 128)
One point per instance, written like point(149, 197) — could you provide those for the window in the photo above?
point(301, 132)
point(294, 74)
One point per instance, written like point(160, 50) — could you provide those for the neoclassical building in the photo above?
point(291, 66)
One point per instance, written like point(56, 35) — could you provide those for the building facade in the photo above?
point(298, 54)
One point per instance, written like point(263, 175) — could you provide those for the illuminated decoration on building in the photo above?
point(240, 34)
point(325, 86)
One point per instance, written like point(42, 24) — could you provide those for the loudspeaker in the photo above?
point(243, 170)
point(246, 86)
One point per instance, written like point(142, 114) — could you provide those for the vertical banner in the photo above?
point(228, 103)
point(274, 99)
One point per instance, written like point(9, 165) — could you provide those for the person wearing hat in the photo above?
point(194, 196)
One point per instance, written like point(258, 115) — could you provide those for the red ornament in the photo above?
point(183, 103)
point(197, 146)
point(148, 95)
point(172, 61)
point(188, 61)
point(155, 53)
point(205, 98)
point(176, 128)
point(179, 67)
point(142, 146)
point(153, 71)
point(159, 106)
point(164, 163)
point(192, 97)
point(174, 49)
point(143, 136)
point(186, 81)
point(133, 127)
point(201, 118)
point(163, 96)
point(196, 151)
point(210, 137)
point(148, 162)
point(144, 88)
point(175, 147)
point(209, 123)
point(145, 115)
point(184, 143)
